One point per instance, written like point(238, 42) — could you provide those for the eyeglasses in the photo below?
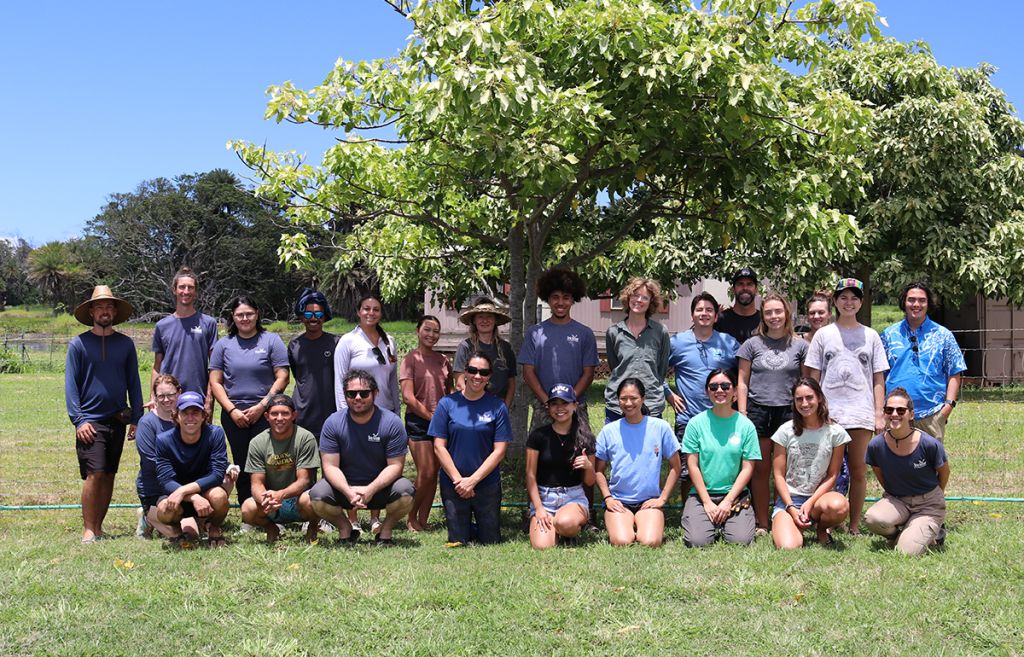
point(245, 315)
point(898, 410)
point(639, 297)
point(310, 314)
point(482, 371)
point(725, 387)
point(166, 397)
point(362, 394)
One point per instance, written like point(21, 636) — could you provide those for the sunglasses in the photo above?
point(362, 394)
point(898, 410)
point(380, 356)
point(725, 387)
point(482, 371)
point(310, 314)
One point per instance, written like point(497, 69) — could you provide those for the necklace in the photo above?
point(897, 440)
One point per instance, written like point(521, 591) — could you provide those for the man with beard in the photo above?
point(743, 318)
point(103, 395)
point(183, 341)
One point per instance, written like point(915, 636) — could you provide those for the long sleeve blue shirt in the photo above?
point(101, 378)
point(203, 462)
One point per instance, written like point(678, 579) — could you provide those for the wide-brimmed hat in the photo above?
point(501, 315)
point(103, 293)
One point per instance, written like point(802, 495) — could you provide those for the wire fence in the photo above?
point(38, 467)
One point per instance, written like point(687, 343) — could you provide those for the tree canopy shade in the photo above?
point(507, 137)
point(207, 221)
point(945, 202)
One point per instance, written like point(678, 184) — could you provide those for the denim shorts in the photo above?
point(289, 512)
point(555, 497)
point(780, 506)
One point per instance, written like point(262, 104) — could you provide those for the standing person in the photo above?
point(637, 347)
point(559, 461)
point(819, 313)
point(184, 340)
point(369, 348)
point(103, 396)
point(720, 446)
point(806, 465)
point(483, 320)
point(165, 390)
point(559, 349)
point(311, 359)
point(362, 448)
point(471, 432)
point(282, 461)
point(191, 462)
point(769, 365)
point(743, 318)
point(924, 359)
point(848, 360)
point(634, 447)
point(247, 368)
point(425, 377)
point(913, 471)
point(693, 355)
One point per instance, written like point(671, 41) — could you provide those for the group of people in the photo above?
point(754, 403)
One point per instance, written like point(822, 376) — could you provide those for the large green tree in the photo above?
point(207, 221)
point(60, 272)
point(15, 287)
point(945, 201)
point(507, 137)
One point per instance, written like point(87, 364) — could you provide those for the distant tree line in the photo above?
point(207, 221)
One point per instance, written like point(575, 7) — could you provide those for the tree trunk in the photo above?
point(518, 294)
point(864, 274)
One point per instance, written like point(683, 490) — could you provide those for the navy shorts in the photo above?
point(768, 419)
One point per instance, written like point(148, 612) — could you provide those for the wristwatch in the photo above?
point(951, 402)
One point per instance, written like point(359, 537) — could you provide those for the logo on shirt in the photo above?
point(196, 329)
point(572, 339)
point(657, 451)
point(486, 418)
point(328, 354)
point(261, 350)
point(734, 439)
point(373, 437)
point(920, 464)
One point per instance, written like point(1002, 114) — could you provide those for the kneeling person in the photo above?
point(191, 460)
point(363, 449)
point(283, 461)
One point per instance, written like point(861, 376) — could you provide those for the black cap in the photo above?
point(744, 272)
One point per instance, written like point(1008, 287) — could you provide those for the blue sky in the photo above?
point(101, 96)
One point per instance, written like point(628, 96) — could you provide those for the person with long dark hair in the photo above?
point(559, 462)
point(425, 377)
point(807, 461)
point(247, 368)
point(720, 446)
point(634, 447)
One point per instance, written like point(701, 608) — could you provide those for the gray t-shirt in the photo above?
point(774, 368)
point(186, 343)
point(847, 359)
point(502, 372)
point(808, 455)
point(364, 449)
point(248, 365)
point(559, 352)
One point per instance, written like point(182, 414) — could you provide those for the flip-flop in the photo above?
point(91, 540)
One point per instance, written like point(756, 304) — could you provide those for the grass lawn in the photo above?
point(132, 597)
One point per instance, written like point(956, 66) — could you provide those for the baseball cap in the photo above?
point(744, 272)
point(849, 284)
point(191, 399)
point(562, 391)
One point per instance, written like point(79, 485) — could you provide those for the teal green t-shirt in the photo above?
point(722, 445)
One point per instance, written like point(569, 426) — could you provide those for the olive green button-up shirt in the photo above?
point(644, 357)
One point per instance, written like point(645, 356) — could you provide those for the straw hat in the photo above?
point(501, 316)
point(103, 293)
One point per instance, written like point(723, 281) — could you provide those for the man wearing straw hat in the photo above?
point(104, 399)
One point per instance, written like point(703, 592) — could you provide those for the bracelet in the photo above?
point(790, 506)
point(606, 498)
point(233, 409)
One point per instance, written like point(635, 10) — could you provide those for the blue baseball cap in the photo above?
point(187, 399)
point(562, 391)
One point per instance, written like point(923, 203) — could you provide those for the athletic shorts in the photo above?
point(104, 453)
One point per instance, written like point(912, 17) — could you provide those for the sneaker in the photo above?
point(375, 526)
point(327, 527)
point(143, 529)
point(246, 528)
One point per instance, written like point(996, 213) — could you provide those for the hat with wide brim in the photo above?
point(501, 315)
point(103, 293)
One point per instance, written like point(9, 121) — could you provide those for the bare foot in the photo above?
point(273, 533)
point(312, 531)
point(216, 537)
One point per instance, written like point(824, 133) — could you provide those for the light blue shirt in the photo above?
point(635, 453)
point(924, 373)
point(693, 360)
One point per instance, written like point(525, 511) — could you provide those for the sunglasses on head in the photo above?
point(899, 410)
point(362, 394)
point(482, 371)
point(310, 314)
point(726, 387)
